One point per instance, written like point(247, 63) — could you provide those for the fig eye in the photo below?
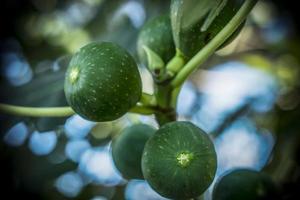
point(74, 75)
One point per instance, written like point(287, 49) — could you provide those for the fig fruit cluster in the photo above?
point(178, 160)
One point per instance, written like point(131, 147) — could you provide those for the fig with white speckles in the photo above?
point(179, 161)
point(102, 82)
point(156, 34)
point(127, 149)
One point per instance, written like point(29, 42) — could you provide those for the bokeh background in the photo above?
point(247, 97)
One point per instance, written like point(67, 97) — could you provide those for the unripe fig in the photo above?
point(156, 35)
point(102, 82)
point(244, 184)
point(127, 149)
point(179, 161)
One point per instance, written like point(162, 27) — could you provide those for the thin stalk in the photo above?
point(147, 99)
point(36, 111)
point(213, 45)
point(56, 111)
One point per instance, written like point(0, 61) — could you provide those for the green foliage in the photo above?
point(192, 33)
point(127, 149)
point(244, 184)
point(179, 161)
point(185, 14)
point(102, 82)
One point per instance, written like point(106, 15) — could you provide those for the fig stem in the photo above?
point(176, 63)
point(148, 99)
point(164, 98)
point(213, 45)
point(143, 110)
point(56, 111)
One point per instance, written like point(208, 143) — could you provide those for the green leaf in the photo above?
point(213, 14)
point(179, 10)
point(186, 13)
point(195, 23)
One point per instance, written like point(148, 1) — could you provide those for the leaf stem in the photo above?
point(56, 111)
point(36, 111)
point(212, 46)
